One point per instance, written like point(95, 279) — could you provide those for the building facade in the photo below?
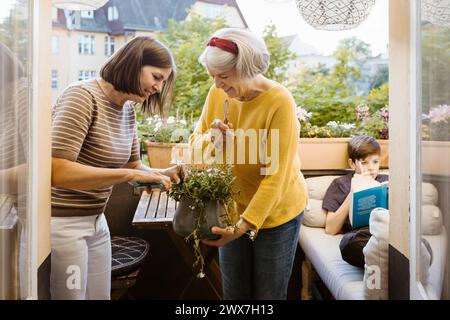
point(82, 40)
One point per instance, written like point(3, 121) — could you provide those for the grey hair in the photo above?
point(252, 59)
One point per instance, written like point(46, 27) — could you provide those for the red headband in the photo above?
point(223, 44)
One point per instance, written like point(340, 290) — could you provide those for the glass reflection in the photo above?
point(434, 254)
point(14, 150)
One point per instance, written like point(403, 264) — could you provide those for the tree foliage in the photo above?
point(187, 40)
point(279, 54)
point(332, 96)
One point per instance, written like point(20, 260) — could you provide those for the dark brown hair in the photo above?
point(359, 147)
point(123, 70)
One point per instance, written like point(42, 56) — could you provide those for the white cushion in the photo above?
point(429, 194)
point(343, 280)
point(431, 220)
point(314, 215)
point(317, 186)
point(435, 279)
point(376, 256)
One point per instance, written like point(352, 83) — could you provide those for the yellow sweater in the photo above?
point(264, 200)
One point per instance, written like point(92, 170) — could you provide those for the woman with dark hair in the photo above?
point(95, 146)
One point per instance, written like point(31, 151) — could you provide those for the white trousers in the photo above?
point(81, 258)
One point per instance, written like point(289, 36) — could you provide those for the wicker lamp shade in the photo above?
point(79, 5)
point(436, 12)
point(334, 14)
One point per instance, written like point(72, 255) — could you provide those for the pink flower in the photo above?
point(302, 114)
point(440, 113)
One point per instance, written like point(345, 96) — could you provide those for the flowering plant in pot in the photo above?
point(163, 137)
point(205, 199)
point(331, 150)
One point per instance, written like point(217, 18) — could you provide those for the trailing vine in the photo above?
point(197, 188)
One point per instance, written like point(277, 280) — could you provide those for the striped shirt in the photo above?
point(88, 129)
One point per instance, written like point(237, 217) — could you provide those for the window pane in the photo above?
point(15, 107)
point(435, 156)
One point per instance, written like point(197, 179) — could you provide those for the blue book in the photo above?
point(364, 201)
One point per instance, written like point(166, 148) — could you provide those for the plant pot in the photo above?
point(184, 219)
point(436, 157)
point(332, 153)
point(163, 155)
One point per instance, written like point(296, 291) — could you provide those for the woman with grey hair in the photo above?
point(272, 194)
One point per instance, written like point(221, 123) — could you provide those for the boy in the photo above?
point(364, 153)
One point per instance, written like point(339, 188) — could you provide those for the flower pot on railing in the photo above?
point(332, 153)
point(436, 157)
point(163, 155)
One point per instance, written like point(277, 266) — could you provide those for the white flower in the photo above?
point(170, 120)
point(332, 124)
point(201, 275)
point(158, 124)
point(155, 129)
point(348, 126)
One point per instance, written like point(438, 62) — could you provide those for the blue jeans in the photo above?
point(261, 269)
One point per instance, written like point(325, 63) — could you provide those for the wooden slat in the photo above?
point(142, 207)
point(154, 211)
point(162, 207)
point(171, 207)
point(153, 206)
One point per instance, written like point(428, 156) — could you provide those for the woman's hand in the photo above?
point(224, 128)
point(151, 176)
point(174, 173)
point(228, 234)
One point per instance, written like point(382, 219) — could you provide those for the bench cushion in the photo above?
point(344, 281)
point(128, 253)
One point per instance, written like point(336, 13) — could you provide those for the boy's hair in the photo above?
point(359, 147)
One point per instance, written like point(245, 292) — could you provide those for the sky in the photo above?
point(286, 17)
point(5, 7)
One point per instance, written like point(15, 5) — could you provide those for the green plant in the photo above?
point(197, 188)
point(170, 130)
point(374, 124)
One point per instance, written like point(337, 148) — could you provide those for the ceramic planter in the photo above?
point(161, 155)
point(436, 157)
point(184, 219)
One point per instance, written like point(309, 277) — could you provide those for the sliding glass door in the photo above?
point(15, 106)
point(431, 101)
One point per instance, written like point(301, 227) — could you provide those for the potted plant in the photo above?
point(331, 141)
point(205, 199)
point(436, 141)
point(164, 139)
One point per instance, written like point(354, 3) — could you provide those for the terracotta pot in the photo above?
point(332, 153)
point(184, 219)
point(163, 155)
point(436, 157)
